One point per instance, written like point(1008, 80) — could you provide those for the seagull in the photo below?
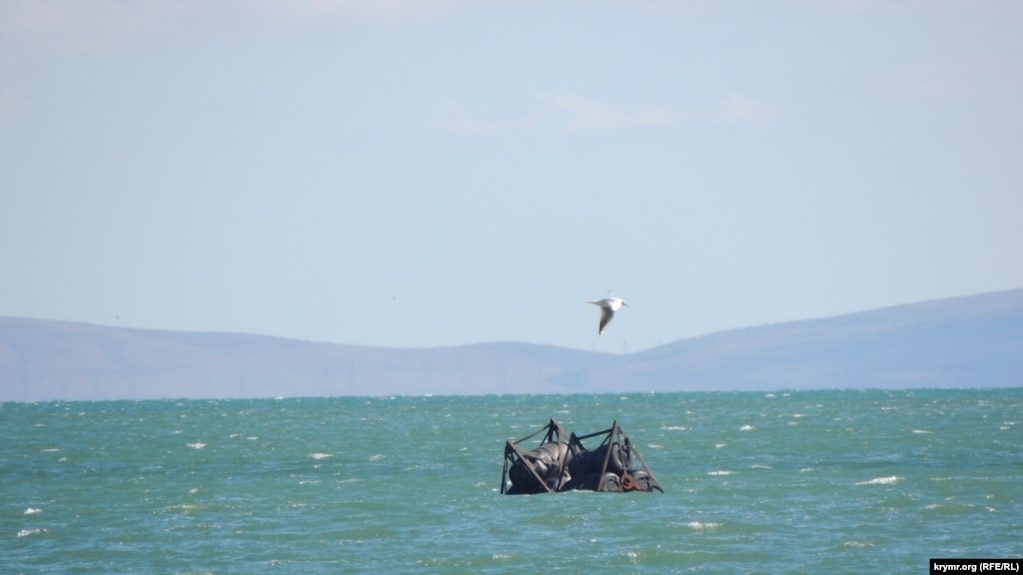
point(608, 307)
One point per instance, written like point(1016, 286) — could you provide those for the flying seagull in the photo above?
point(608, 307)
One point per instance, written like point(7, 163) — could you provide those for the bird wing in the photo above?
point(605, 318)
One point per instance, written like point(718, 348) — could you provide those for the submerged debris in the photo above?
point(557, 465)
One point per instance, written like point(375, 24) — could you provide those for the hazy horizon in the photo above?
point(506, 341)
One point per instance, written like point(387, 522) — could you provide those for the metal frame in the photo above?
point(554, 433)
point(512, 454)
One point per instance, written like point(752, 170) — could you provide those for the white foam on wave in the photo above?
point(50, 450)
point(759, 466)
point(32, 511)
point(721, 472)
point(30, 532)
point(196, 445)
point(890, 480)
point(720, 445)
point(747, 427)
point(318, 456)
point(702, 526)
point(655, 446)
point(377, 457)
point(921, 431)
point(674, 428)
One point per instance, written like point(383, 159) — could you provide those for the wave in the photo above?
point(891, 480)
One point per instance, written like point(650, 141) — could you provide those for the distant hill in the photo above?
point(974, 341)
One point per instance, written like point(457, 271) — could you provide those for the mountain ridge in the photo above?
point(968, 341)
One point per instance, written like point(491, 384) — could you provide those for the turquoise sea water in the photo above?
point(802, 482)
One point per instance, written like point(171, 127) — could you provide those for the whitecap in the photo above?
point(702, 526)
point(317, 456)
point(197, 445)
point(674, 428)
point(50, 450)
point(655, 446)
point(856, 544)
point(500, 556)
point(377, 457)
point(921, 431)
point(32, 511)
point(759, 466)
point(807, 470)
point(890, 480)
point(29, 532)
point(747, 427)
point(721, 472)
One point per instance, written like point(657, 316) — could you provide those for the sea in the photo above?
point(844, 481)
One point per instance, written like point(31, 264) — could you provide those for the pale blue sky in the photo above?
point(434, 173)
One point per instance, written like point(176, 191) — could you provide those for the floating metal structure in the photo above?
point(560, 465)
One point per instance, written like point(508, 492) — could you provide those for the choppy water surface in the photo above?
point(812, 482)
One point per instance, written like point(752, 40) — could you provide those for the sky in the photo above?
point(434, 173)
